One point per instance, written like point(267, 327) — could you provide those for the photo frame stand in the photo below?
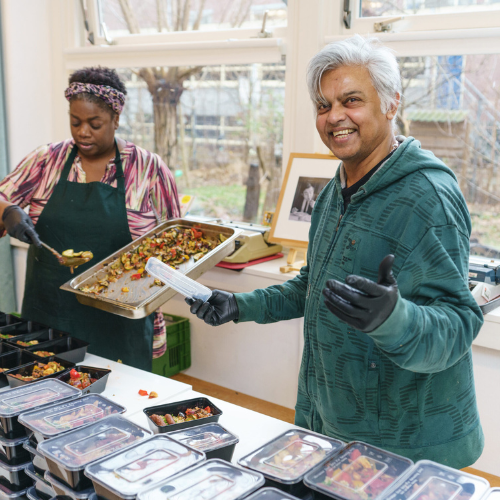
point(292, 264)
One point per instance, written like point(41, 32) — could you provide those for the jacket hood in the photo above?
point(407, 159)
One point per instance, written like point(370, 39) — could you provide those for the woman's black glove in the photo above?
point(362, 303)
point(220, 308)
point(19, 225)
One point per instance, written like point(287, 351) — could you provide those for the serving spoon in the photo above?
point(71, 262)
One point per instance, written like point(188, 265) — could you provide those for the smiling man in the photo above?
point(388, 316)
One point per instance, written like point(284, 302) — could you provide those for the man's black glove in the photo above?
point(362, 303)
point(19, 225)
point(220, 308)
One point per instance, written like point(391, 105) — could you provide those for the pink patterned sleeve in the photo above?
point(163, 191)
point(19, 185)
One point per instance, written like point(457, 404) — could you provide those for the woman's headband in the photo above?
point(112, 97)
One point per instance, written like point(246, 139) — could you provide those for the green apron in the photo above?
point(84, 216)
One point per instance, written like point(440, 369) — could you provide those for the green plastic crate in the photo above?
point(178, 354)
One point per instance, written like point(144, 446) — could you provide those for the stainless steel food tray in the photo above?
point(143, 299)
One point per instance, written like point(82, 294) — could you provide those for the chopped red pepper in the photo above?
point(173, 251)
point(136, 276)
point(208, 410)
point(355, 454)
point(196, 233)
point(143, 393)
point(141, 254)
point(74, 374)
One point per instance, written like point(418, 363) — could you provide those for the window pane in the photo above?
point(452, 106)
point(408, 7)
point(211, 127)
point(153, 16)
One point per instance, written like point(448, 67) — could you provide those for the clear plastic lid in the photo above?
point(176, 280)
point(6, 494)
point(8, 443)
point(54, 420)
point(359, 472)
point(209, 480)
point(206, 437)
point(492, 494)
point(75, 449)
point(430, 480)
point(270, 494)
point(17, 400)
point(143, 465)
point(291, 455)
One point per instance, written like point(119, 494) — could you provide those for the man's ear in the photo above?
point(394, 107)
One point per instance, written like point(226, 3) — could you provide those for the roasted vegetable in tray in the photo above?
point(172, 247)
point(80, 380)
point(27, 344)
point(5, 336)
point(191, 414)
point(41, 370)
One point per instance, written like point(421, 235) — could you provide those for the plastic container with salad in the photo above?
point(67, 455)
point(58, 419)
point(359, 472)
point(214, 479)
point(90, 380)
point(286, 459)
point(123, 475)
point(431, 480)
point(13, 402)
point(213, 439)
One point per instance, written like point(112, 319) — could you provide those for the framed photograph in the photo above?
point(305, 177)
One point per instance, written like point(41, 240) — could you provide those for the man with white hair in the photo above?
point(388, 316)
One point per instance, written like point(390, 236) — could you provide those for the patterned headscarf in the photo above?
point(112, 97)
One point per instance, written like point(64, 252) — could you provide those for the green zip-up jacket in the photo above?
point(407, 386)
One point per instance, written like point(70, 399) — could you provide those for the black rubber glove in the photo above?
point(362, 303)
point(19, 225)
point(220, 308)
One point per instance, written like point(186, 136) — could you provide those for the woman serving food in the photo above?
point(96, 193)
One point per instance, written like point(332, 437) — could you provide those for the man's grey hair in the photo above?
point(379, 60)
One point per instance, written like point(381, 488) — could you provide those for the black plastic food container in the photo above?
point(43, 489)
point(52, 421)
point(8, 319)
point(42, 336)
point(270, 494)
point(181, 406)
point(14, 475)
point(21, 328)
point(27, 370)
point(37, 459)
point(7, 493)
point(63, 492)
point(68, 348)
point(5, 348)
point(11, 360)
point(212, 439)
point(67, 455)
point(13, 402)
point(12, 451)
point(101, 374)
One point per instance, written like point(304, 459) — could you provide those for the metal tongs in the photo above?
point(71, 262)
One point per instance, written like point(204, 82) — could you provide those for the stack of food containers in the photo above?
point(431, 480)
point(67, 455)
point(285, 460)
point(271, 494)
point(211, 479)
point(122, 476)
point(213, 439)
point(15, 458)
point(49, 422)
point(359, 472)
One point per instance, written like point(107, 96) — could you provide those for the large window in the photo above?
point(452, 106)
point(211, 126)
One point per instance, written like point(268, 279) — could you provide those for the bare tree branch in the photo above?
point(185, 15)
point(185, 73)
point(243, 11)
point(178, 20)
point(196, 25)
point(162, 8)
point(130, 19)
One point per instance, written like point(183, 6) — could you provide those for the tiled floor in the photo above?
point(271, 409)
